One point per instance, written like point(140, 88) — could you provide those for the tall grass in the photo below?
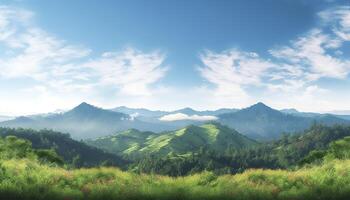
point(27, 179)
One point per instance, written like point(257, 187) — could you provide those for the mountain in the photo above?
point(5, 118)
point(84, 121)
point(192, 138)
point(262, 122)
point(142, 112)
point(192, 117)
point(155, 117)
point(139, 111)
point(290, 151)
point(292, 111)
point(182, 141)
point(73, 152)
point(257, 121)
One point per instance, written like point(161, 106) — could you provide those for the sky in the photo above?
point(166, 55)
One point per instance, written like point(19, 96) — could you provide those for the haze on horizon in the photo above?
point(165, 56)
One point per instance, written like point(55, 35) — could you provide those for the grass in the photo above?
point(25, 175)
point(27, 179)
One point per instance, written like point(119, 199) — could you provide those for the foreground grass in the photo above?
point(27, 179)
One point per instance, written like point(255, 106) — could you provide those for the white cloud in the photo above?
point(339, 20)
point(131, 70)
point(232, 70)
point(54, 68)
point(312, 54)
point(291, 73)
point(181, 116)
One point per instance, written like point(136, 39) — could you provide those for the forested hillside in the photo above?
point(288, 152)
point(134, 143)
point(74, 153)
point(24, 174)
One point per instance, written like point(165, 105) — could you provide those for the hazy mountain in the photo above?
point(142, 112)
point(295, 112)
point(155, 117)
point(5, 118)
point(258, 121)
point(139, 111)
point(262, 122)
point(84, 121)
point(182, 141)
point(340, 112)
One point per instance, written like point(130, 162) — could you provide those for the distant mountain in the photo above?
point(5, 118)
point(340, 112)
point(257, 121)
point(139, 111)
point(290, 111)
point(190, 111)
point(142, 112)
point(295, 112)
point(182, 141)
point(262, 122)
point(155, 116)
point(73, 152)
point(84, 121)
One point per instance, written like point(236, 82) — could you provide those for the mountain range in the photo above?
point(258, 121)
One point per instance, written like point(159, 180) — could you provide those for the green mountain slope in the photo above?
point(125, 142)
point(288, 152)
point(182, 141)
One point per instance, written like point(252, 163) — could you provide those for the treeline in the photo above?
point(288, 152)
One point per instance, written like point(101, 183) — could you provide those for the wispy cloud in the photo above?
point(53, 72)
point(181, 116)
point(130, 70)
point(230, 71)
point(56, 66)
point(292, 69)
point(338, 18)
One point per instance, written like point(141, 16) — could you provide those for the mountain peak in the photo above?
point(84, 104)
point(84, 107)
point(260, 105)
point(187, 111)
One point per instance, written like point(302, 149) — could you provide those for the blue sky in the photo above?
point(172, 54)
